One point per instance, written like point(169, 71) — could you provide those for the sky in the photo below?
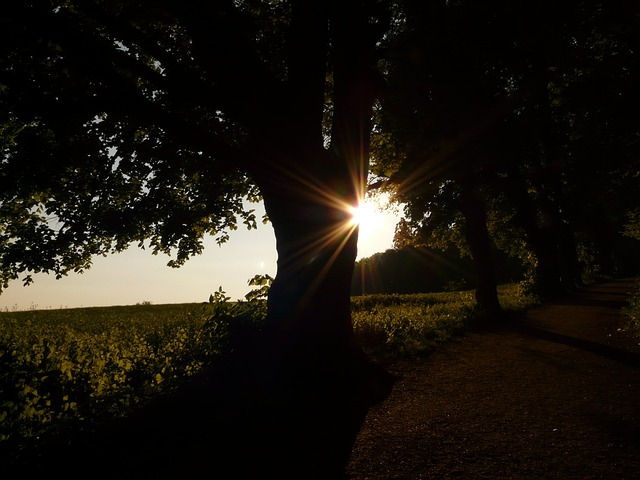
point(137, 276)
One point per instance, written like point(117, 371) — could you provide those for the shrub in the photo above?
point(632, 310)
point(390, 325)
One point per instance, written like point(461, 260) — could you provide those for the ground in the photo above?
point(551, 394)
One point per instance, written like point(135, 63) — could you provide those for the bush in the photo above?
point(391, 325)
point(633, 309)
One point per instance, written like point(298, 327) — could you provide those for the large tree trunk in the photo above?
point(571, 270)
point(316, 381)
point(543, 242)
point(309, 305)
point(316, 378)
point(541, 235)
point(309, 188)
point(479, 242)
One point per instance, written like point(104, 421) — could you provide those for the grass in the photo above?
point(69, 368)
point(392, 325)
point(395, 325)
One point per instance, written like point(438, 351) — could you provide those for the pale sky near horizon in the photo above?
point(137, 276)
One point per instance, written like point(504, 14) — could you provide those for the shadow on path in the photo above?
point(613, 353)
point(599, 307)
point(548, 393)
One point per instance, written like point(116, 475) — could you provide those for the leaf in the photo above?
point(259, 280)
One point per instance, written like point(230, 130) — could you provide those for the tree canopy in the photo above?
point(114, 130)
point(150, 121)
point(526, 107)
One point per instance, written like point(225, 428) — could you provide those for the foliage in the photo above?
point(397, 324)
point(422, 269)
point(107, 137)
point(633, 308)
point(230, 324)
point(150, 123)
point(518, 98)
point(65, 366)
point(516, 296)
point(263, 282)
point(632, 227)
point(74, 368)
point(409, 324)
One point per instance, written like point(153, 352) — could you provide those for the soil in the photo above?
point(553, 393)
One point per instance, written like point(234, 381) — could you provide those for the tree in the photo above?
point(447, 98)
point(149, 122)
point(578, 152)
point(492, 109)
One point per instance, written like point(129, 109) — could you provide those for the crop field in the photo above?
point(71, 368)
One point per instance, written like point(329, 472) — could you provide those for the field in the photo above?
point(73, 368)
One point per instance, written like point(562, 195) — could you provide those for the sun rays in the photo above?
point(368, 216)
point(334, 219)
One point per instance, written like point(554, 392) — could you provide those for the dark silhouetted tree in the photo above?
point(494, 111)
point(149, 122)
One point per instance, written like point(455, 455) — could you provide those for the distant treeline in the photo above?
point(422, 269)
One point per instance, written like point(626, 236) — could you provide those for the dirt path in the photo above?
point(553, 394)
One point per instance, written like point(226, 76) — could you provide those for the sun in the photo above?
point(376, 217)
point(368, 216)
point(361, 213)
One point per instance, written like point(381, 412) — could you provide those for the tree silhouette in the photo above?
point(496, 110)
point(150, 122)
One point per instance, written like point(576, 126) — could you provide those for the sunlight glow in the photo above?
point(369, 217)
point(363, 214)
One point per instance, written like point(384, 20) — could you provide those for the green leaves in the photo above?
point(632, 227)
point(632, 310)
point(62, 367)
point(264, 283)
point(109, 137)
